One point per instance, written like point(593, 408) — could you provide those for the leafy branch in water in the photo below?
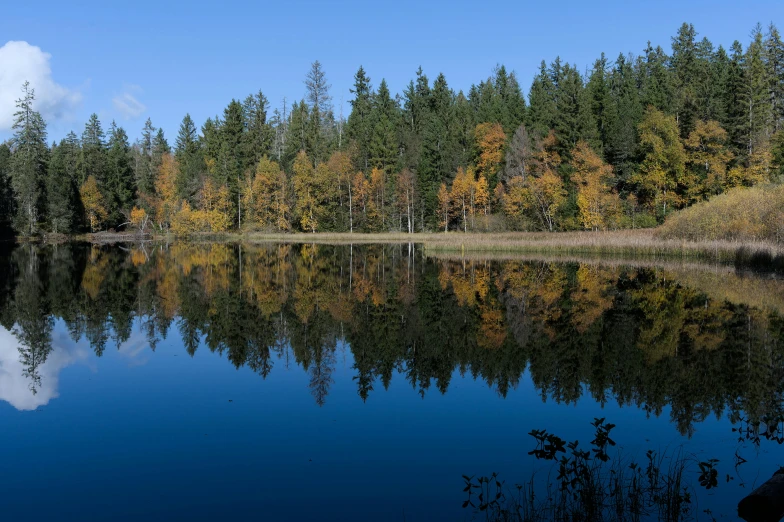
point(592, 484)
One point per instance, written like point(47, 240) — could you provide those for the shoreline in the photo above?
point(640, 243)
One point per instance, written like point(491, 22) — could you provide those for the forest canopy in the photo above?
point(623, 145)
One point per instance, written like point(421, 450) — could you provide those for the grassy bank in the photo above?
point(651, 244)
point(626, 243)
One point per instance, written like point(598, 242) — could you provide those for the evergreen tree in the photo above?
point(598, 98)
point(542, 108)
point(62, 201)
point(733, 104)
point(382, 148)
point(684, 62)
point(93, 161)
point(145, 171)
point(320, 119)
point(6, 193)
point(119, 187)
point(29, 160)
point(258, 133)
point(774, 62)
point(360, 126)
point(656, 80)
point(624, 116)
point(756, 95)
point(296, 133)
point(189, 159)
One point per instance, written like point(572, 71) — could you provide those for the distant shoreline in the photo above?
point(641, 243)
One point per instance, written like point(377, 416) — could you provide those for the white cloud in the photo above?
point(20, 62)
point(127, 104)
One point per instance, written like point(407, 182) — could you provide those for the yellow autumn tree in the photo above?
point(462, 195)
point(360, 189)
point(341, 169)
point(707, 157)
point(758, 170)
point(662, 172)
point(490, 140)
point(139, 218)
point(92, 202)
point(270, 205)
point(215, 213)
point(595, 199)
point(167, 203)
point(444, 207)
point(313, 191)
point(482, 195)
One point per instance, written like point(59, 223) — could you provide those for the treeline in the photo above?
point(635, 336)
point(622, 145)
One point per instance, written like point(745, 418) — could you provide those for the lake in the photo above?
point(314, 382)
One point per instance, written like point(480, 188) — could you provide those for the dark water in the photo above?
point(213, 382)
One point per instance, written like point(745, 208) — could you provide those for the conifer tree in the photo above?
point(29, 160)
point(119, 187)
point(360, 125)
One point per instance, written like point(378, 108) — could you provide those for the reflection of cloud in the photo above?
point(135, 349)
point(15, 389)
point(20, 62)
point(127, 104)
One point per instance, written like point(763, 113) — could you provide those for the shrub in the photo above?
point(750, 214)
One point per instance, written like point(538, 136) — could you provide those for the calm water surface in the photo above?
point(216, 382)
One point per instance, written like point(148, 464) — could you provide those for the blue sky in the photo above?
point(163, 59)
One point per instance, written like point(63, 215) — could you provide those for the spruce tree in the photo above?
point(6, 193)
point(93, 159)
point(382, 147)
point(143, 166)
point(190, 161)
point(28, 163)
point(62, 194)
point(542, 108)
point(774, 62)
point(119, 187)
point(360, 126)
point(257, 140)
point(756, 95)
point(684, 63)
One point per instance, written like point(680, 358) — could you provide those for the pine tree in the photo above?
point(29, 160)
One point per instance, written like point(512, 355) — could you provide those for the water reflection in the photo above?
point(703, 343)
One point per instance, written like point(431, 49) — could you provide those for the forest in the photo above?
point(624, 144)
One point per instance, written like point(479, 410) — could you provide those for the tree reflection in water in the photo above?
point(647, 337)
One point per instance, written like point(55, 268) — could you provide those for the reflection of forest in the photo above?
point(635, 336)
